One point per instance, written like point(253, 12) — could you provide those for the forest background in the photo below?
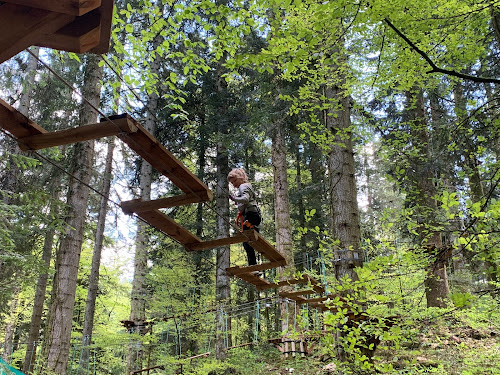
point(370, 131)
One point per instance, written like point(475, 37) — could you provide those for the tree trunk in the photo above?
point(284, 243)
point(138, 295)
point(300, 200)
point(345, 222)
point(88, 323)
point(11, 323)
point(223, 261)
point(471, 167)
point(68, 257)
point(436, 282)
point(222, 283)
point(41, 285)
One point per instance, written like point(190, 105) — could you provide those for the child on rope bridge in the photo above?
point(248, 210)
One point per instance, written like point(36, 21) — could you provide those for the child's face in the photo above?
point(235, 181)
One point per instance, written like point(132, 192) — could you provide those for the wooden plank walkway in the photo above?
point(31, 136)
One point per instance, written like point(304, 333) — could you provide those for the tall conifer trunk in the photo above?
point(41, 285)
point(68, 256)
point(138, 296)
point(223, 261)
point(345, 222)
point(471, 167)
point(422, 194)
point(284, 243)
point(88, 323)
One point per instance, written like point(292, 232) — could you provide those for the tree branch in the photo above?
point(435, 68)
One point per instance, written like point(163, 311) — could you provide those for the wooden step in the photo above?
point(316, 300)
point(252, 279)
point(16, 123)
point(305, 279)
point(79, 134)
point(298, 293)
point(139, 205)
point(239, 238)
point(237, 270)
point(168, 226)
point(266, 249)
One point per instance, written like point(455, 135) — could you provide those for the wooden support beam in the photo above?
point(16, 123)
point(21, 27)
point(106, 11)
point(168, 226)
point(139, 205)
point(79, 134)
point(74, 7)
point(79, 36)
point(239, 238)
point(161, 159)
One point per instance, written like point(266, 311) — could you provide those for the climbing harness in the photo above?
point(243, 224)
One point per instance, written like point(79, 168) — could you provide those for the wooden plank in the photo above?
point(164, 161)
point(237, 270)
point(79, 36)
point(315, 300)
point(168, 226)
point(252, 279)
point(266, 249)
point(239, 238)
point(138, 205)
point(106, 10)
point(306, 279)
point(74, 7)
point(21, 27)
point(79, 134)
point(297, 293)
point(16, 123)
point(295, 298)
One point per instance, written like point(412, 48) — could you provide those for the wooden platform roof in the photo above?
point(70, 25)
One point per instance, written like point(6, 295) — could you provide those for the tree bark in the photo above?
point(345, 221)
point(423, 192)
point(138, 296)
point(68, 256)
point(471, 167)
point(11, 324)
point(284, 243)
point(88, 323)
point(41, 285)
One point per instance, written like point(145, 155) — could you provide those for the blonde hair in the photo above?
point(238, 173)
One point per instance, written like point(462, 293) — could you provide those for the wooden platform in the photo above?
point(69, 25)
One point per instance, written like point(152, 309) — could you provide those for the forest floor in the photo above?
point(446, 345)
